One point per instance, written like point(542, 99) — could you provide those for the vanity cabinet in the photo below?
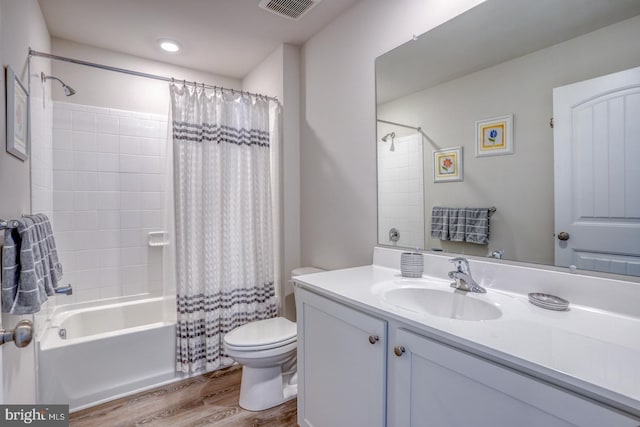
point(356, 369)
point(438, 385)
point(341, 364)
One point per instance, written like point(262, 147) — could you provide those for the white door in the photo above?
point(597, 173)
point(17, 367)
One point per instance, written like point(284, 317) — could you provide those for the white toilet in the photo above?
point(267, 351)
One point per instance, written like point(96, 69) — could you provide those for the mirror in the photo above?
point(497, 62)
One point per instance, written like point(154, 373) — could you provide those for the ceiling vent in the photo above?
point(290, 9)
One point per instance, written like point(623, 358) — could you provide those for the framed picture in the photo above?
point(17, 116)
point(447, 165)
point(494, 137)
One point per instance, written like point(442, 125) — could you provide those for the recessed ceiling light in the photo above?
point(169, 45)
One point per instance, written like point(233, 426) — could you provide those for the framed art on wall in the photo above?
point(17, 116)
point(494, 137)
point(447, 165)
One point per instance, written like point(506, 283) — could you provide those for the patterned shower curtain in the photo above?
point(223, 220)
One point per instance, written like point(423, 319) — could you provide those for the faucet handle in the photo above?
point(461, 264)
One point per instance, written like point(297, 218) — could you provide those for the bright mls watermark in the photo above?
point(34, 415)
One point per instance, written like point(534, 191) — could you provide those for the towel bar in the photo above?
point(8, 224)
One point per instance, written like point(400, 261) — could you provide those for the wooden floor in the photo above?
point(207, 400)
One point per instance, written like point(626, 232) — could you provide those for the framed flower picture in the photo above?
point(494, 137)
point(447, 165)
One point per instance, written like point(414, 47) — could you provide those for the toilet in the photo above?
point(266, 349)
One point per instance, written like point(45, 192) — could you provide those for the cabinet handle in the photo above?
point(373, 339)
point(398, 350)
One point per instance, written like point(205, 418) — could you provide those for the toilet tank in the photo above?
point(289, 306)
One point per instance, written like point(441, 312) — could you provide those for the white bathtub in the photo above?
point(110, 351)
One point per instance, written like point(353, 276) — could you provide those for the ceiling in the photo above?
point(492, 32)
point(224, 37)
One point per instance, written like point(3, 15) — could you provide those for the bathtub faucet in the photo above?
point(67, 290)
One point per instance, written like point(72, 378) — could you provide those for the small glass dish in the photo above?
point(549, 302)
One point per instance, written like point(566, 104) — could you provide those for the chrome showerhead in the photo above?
point(391, 135)
point(68, 90)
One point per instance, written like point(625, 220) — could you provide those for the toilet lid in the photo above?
point(263, 334)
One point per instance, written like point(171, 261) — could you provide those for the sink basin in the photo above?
point(452, 304)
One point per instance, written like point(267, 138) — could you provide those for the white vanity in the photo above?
point(376, 349)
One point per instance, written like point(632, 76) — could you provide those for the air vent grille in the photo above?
point(291, 9)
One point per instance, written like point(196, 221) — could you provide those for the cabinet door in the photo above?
point(341, 364)
point(437, 385)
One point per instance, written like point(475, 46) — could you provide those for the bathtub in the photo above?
point(91, 354)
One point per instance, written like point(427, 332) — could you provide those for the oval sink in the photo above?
point(451, 304)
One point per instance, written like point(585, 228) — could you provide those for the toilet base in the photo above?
point(264, 388)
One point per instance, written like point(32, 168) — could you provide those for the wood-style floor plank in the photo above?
point(207, 400)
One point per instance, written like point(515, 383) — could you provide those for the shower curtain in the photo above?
point(223, 220)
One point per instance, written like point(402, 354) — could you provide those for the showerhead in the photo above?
point(391, 135)
point(68, 90)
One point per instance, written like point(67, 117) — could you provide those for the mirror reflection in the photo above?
point(514, 105)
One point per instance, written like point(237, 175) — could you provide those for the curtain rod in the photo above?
point(419, 129)
point(141, 74)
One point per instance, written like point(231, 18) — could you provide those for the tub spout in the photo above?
point(67, 290)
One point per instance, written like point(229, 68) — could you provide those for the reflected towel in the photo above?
point(440, 223)
point(457, 224)
point(477, 225)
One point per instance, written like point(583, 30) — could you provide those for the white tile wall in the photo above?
point(42, 177)
point(400, 192)
point(107, 194)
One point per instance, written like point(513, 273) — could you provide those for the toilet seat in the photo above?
point(262, 335)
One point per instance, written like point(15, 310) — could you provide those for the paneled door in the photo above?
point(597, 173)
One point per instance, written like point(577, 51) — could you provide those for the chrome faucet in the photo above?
point(462, 277)
point(66, 290)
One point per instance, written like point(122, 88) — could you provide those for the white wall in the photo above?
point(109, 89)
point(520, 185)
point(338, 163)
point(21, 26)
point(279, 75)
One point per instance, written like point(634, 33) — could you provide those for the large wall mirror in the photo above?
point(528, 107)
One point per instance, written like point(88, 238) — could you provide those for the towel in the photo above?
point(440, 223)
point(49, 251)
point(477, 226)
point(30, 266)
point(457, 224)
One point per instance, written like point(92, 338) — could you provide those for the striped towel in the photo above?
point(477, 226)
point(457, 224)
point(30, 266)
point(440, 223)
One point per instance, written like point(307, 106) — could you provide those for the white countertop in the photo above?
point(591, 351)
